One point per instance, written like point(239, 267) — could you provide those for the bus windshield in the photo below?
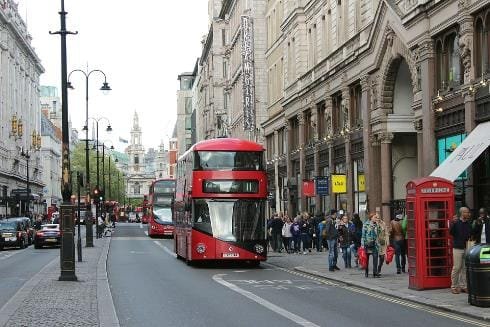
point(167, 187)
point(163, 214)
point(229, 160)
point(231, 220)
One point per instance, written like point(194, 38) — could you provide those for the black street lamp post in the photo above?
point(27, 155)
point(97, 205)
point(67, 252)
point(89, 234)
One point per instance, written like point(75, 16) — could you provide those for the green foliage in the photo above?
point(110, 177)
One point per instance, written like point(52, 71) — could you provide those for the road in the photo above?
point(17, 266)
point(150, 287)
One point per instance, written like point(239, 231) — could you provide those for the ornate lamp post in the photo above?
point(89, 235)
point(67, 252)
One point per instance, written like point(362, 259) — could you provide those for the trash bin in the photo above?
point(478, 275)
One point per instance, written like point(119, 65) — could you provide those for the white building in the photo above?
point(20, 115)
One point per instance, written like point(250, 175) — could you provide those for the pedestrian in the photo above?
point(100, 226)
point(317, 239)
point(332, 238)
point(305, 233)
point(322, 230)
point(276, 232)
point(38, 223)
point(356, 220)
point(398, 241)
point(461, 231)
point(370, 243)
point(481, 227)
point(346, 233)
point(296, 234)
point(383, 241)
point(286, 233)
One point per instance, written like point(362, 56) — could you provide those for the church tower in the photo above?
point(138, 180)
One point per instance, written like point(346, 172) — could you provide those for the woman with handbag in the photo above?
point(370, 242)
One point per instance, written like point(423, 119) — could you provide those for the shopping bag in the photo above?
point(361, 253)
point(390, 252)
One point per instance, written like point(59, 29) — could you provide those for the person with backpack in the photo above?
point(296, 234)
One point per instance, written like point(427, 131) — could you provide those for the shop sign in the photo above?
point(321, 184)
point(339, 183)
point(361, 183)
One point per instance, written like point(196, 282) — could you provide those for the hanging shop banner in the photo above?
point(361, 183)
point(339, 183)
point(248, 74)
point(321, 185)
point(463, 155)
point(309, 188)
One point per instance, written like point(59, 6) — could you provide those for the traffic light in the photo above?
point(96, 195)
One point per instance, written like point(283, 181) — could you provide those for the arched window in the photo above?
point(453, 59)
point(479, 56)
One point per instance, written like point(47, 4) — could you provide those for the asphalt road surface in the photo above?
point(150, 287)
point(17, 266)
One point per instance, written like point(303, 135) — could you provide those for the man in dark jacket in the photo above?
point(276, 232)
point(481, 227)
point(317, 239)
point(461, 231)
point(332, 237)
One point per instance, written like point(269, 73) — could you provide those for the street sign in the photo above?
point(19, 191)
point(321, 184)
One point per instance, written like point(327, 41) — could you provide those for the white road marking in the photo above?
point(390, 299)
point(263, 302)
point(166, 249)
point(146, 232)
point(8, 254)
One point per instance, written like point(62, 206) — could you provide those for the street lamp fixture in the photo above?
point(105, 88)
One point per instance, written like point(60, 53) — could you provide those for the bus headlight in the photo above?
point(201, 248)
point(259, 248)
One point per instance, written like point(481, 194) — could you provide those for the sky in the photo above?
point(141, 46)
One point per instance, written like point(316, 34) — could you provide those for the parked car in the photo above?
point(28, 227)
point(12, 233)
point(48, 235)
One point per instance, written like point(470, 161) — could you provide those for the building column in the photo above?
point(348, 158)
point(427, 83)
point(316, 156)
point(418, 124)
point(366, 138)
point(276, 171)
point(329, 133)
point(469, 124)
point(288, 134)
point(302, 161)
point(386, 175)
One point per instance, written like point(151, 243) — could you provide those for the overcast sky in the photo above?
point(141, 46)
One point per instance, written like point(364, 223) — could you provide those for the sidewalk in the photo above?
point(390, 283)
point(45, 301)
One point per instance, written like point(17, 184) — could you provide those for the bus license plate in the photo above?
point(51, 240)
point(231, 255)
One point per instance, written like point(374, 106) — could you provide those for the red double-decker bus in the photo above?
point(219, 207)
point(160, 199)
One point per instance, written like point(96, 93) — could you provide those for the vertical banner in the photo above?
point(361, 183)
point(309, 188)
point(248, 74)
point(339, 183)
point(321, 186)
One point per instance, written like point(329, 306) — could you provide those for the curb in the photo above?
point(397, 296)
point(105, 304)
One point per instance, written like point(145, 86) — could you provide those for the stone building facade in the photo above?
point(366, 92)
point(20, 114)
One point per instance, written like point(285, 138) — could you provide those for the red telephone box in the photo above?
point(429, 209)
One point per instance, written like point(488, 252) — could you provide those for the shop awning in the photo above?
point(464, 155)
